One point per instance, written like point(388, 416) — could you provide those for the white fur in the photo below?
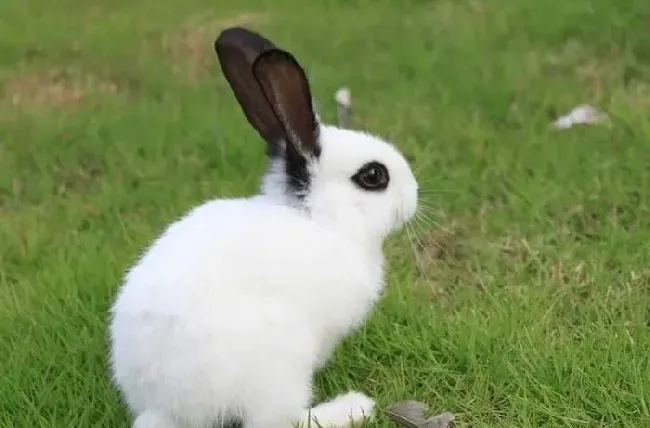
point(230, 311)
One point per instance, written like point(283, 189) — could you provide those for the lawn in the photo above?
point(524, 299)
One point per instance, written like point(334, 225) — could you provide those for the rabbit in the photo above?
point(226, 316)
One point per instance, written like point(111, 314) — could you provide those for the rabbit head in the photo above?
point(351, 180)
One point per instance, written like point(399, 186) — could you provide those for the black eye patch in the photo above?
point(372, 176)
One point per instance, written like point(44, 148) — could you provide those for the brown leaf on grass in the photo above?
point(411, 414)
point(190, 48)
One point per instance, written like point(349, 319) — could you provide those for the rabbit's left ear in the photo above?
point(286, 87)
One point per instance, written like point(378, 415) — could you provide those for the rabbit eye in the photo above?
point(372, 176)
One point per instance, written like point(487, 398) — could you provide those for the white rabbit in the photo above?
point(228, 313)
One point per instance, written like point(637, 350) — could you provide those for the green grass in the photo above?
point(115, 120)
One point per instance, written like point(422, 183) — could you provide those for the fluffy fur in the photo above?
point(228, 313)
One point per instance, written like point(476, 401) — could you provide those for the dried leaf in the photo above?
point(411, 414)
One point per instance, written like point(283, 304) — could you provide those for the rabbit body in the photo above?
point(227, 308)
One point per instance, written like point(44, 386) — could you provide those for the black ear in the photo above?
point(272, 90)
point(237, 49)
point(286, 88)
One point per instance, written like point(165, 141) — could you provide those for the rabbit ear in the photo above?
point(237, 49)
point(285, 85)
point(271, 88)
